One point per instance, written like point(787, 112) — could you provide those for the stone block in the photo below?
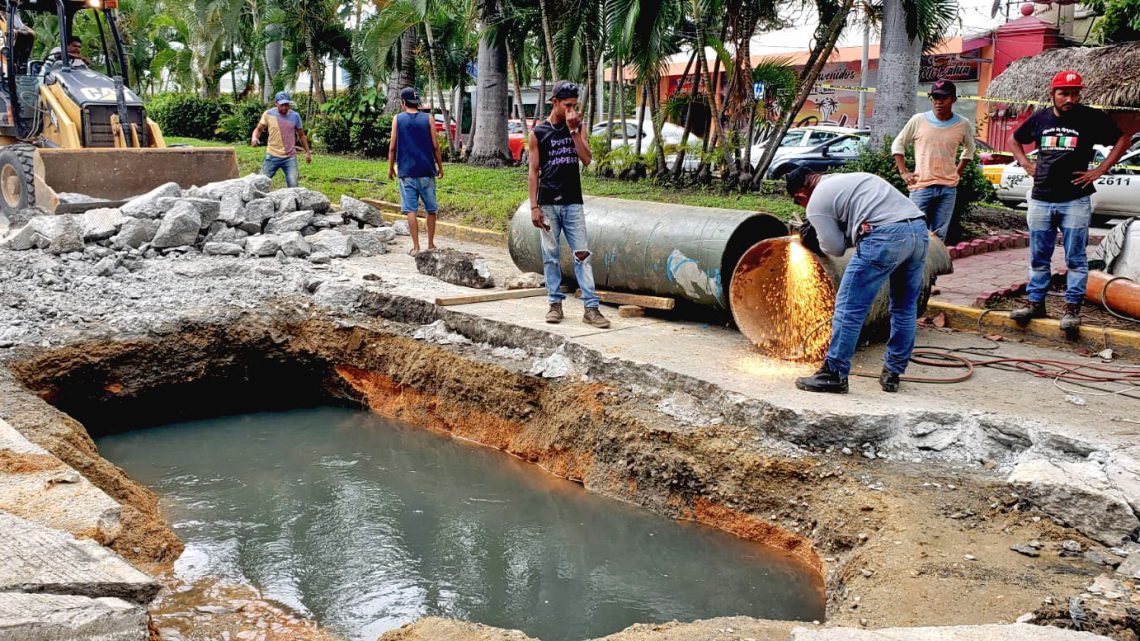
point(455, 267)
point(100, 224)
point(293, 245)
point(259, 210)
point(50, 561)
point(292, 221)
point(235, 188)
point(527, 280)
point(1079, 494)
point(58, 617)
point(361, 211)
point(333, 243)
point(262, 246)
point(150, 205)
point(135, 233)
point(222, 249)
point(207, 208)
point(179, 227)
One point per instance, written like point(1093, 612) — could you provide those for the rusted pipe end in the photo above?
point(782, 299)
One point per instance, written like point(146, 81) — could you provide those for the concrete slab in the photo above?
point(37, 486)
point(36, 559)
point(52, 617)
point(1015, 632)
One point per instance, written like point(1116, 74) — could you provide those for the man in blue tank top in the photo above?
point(414, 153)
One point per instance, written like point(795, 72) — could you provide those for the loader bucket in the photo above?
point(118, 174)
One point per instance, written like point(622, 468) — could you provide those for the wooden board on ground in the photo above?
point(630, 311)
point(640, 300)
point(447, 301)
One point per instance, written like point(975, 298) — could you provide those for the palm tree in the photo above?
point(908, 28)
point(173, 57)
point(490, 146)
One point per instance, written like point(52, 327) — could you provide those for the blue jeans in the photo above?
point(896, 252)
point(570, 221)
point(1072, 218)
point(937, 202)
point(287, 165)
point(413, 190)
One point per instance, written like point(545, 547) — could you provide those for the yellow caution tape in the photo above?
point(1007, 101)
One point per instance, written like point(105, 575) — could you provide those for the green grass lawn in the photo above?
point(479, 196)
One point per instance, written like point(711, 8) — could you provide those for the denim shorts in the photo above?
point(414, 190)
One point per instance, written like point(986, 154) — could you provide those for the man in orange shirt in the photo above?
point(936, 135)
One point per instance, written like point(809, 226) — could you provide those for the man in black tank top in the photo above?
point(556, 147)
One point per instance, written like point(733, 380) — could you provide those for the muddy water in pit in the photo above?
point(366, 524)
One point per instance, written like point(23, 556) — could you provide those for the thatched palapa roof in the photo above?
point(1112, 75)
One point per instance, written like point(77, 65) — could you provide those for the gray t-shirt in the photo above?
point(841, 203)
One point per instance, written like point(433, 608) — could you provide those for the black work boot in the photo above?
point(1071, 321)
point(889, 380)
point(554, 314)
point(1032, 309)
point(824, 380)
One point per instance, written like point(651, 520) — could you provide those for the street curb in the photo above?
point(1045, 331)
point(391, 213)
point(987, 245)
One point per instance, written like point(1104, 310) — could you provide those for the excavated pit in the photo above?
point(866, 531)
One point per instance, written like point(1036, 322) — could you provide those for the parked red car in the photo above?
point(439, 125)
point(517, 140)
point(988, 156)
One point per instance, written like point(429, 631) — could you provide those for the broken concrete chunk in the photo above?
point(231, 211)
point(58, 617)
point(50, 561)
point(57, 234)
point(331, 242)
point(529, 280)
point(292, 221)
point(361, 211)
point(148, 205)
point(101, 224)
point(320, 258)
point(220, 233)
point(293, 245)
point(222, 249)
point(259, 210)
point(401, 227)
point(1079, 494)
point(1130, 567)
point(207, 208)
point(367, 241)
point(135, 233)
point(179, 227)
point(312, 200)
point(455, 267)
point(262, 246)
point(236, 187)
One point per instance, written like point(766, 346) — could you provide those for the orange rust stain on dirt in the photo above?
point(113, 388)
point(388, 398)
point(15, 463)
point(752, 528)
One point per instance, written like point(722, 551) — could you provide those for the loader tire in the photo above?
point(17, 178)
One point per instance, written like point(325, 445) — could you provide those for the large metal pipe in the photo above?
point(655, 248)
point(783, 296)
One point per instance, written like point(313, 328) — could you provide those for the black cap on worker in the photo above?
point(410, 97)
point(943, 89)
point(796, 179)
point(564, 89)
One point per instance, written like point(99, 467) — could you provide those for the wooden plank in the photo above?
point(483, 298)
point(640, 300)
point(630, 311)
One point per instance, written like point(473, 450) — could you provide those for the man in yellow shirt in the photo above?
point(284, 126)
point(936, 136)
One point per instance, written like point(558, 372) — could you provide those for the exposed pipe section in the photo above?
point(782, 296)
point(655, 248)
point(1117, 293)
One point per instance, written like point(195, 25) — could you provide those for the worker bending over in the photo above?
point(890, 238)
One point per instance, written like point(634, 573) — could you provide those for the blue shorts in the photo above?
point(413, 190)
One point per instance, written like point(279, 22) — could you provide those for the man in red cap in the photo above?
point(1062, 186)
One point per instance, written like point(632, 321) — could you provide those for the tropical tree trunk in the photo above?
point(540, 108)
point(808, 78)
point(694, 91)
point(518, 93)
point(621, 102)
point(273, 58)
point(641, 121)
point(613, 97)
point(490, 146)
point(588, 95)
point(434, 79)
point(316, 79)
point(658, 117)
point(404, 71)
point(899, 61)
point(548, 39)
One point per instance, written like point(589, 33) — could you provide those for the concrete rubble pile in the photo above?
point(239, 217)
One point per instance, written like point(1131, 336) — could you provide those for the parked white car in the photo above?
point(670, 133)
point(797, 140)
point(1117, 192)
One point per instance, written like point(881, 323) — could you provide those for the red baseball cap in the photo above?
point(1068, 80)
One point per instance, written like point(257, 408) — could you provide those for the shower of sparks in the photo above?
point(797, 300)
